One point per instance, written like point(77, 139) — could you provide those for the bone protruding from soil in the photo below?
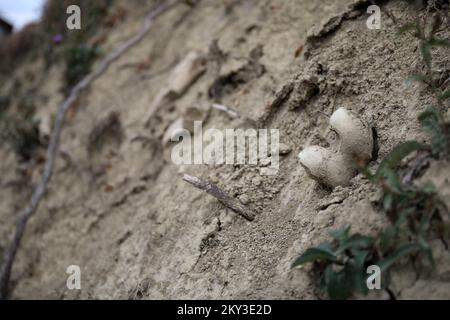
point(220, 195)
point(336, 165)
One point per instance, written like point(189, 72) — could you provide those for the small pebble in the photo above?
point(244, 199)
point(284, 149)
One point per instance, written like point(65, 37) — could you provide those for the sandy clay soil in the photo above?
point(117, 205)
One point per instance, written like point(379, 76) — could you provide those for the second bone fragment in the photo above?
point(336, 165)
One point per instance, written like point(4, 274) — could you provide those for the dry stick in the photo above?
point(11, 250)
point(218, 193)
point(231, 112)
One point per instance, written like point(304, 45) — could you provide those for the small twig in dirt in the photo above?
point(10, 251)
point(231, 112)
point(220, 195)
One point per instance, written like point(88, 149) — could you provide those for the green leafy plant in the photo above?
point(19, 130)
point(342, 262)
point(23, 137)
point(79, 60)
point(72, 45)
point(412, 209)
point(431, 119)
point(427, 41)
point(415, 211)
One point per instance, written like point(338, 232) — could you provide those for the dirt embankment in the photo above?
point(117, 206)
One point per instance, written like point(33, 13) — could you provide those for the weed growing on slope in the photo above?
point(19, 130)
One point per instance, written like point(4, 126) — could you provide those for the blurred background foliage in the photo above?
point(50, 39)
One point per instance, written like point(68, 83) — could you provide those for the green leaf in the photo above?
point(445, 95)
point(339, 285)
point(387, 237)
point(326, 278)
point(425, 49)
point(431, 113)
point(326, 245)
point(439, 42)
point(431, 122)
point(355, 242)
point(403, 250)
point(396, 155)
point(359, 272)
point(403, 216)
point(423, 243)
point(340, 234)
point(425, 247)
point(418, 77)
point(408, 27)
point(312, 255)
point(428, 188)
point(392, 179)
point(359, 241)
point(424, 225)
point(388, 200)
